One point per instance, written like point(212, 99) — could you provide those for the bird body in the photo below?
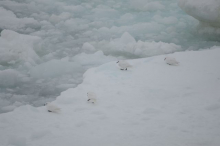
point(52, 108)
point(91, 97)
point(123, 64)
point(171, 61)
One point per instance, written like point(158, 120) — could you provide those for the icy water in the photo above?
point(47, 45)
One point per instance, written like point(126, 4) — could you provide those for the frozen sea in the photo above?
point(47, 45)
point(150, 104)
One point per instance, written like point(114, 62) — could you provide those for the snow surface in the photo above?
point(151, 104)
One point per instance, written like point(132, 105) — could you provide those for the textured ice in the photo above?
point(203, 10)
point(88, 48)
point(126, 45)
point(207, 12)
point(10, 78)
point(10, 21)
point(54, 69)
point(17, 48)
point(46, 45)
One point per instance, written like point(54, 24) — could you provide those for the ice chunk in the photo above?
point(9, 78)
point(127, 45)
point(92, 59)
point(88, 48)
point(148, 5)
point(9, 21)
point(203, 10)
point(103, 11)
point(16, 47)
point(54, 68)
point(57, 18)
point(126, 38)
point(166, 20)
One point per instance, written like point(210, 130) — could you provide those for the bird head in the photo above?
point(91, 94)
point(45, 104)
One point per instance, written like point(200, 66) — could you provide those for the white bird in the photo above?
point(91, 97)
point(123, 64)
point(52, 108)
point(171, 61)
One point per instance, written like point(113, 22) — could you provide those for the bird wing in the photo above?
point(125, 64)
point(53, 108)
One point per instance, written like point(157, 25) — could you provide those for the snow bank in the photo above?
point(207, 12)
point(152, 103)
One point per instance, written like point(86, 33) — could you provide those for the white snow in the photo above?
point(150, 104)
point(47, 45)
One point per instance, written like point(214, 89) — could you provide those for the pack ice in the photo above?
point(151, 104)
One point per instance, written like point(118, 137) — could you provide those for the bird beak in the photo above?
point(117, 62)
point(164, 58)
